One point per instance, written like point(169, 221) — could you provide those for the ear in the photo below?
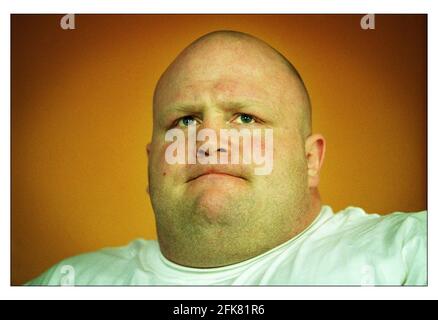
point(315, 152)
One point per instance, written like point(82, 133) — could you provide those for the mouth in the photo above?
point(215, 175)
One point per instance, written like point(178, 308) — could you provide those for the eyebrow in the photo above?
point(225, 105)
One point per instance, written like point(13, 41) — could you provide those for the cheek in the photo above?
point(157, 164)
point(265, 143)
point(288, 150)
point(160, 168)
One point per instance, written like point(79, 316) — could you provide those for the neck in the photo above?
point(315, 205)
point(195, 255)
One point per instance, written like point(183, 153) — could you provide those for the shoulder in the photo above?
point(394, 244)
point(106, 266)
point(356, 221)
point(374, 230)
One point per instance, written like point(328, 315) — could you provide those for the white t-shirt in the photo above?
point(347, 248)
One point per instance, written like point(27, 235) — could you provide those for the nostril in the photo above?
point(203, 153)
point(206, 153)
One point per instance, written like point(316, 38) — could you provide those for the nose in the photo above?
point(207, 147)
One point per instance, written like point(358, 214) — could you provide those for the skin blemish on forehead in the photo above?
point(227, 86)
point(225, 90)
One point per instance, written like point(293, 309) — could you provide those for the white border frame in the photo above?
point(224, 6)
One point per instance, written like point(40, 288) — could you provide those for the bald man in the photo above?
point(223, 224)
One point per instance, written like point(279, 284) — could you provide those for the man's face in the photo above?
point(222, 85)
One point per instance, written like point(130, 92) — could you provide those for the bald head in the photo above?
point(233, 54)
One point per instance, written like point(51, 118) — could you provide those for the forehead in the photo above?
point(216, 92)
point(217, 83)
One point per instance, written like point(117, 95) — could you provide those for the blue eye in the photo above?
point(186, 121)
point(245, 118)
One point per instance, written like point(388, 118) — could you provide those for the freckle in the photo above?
point(164, 173)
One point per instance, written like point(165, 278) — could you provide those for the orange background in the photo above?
point(81, 118)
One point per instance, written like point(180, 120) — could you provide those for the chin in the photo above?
point(216, 206)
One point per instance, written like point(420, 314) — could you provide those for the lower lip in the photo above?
point(215, 175)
